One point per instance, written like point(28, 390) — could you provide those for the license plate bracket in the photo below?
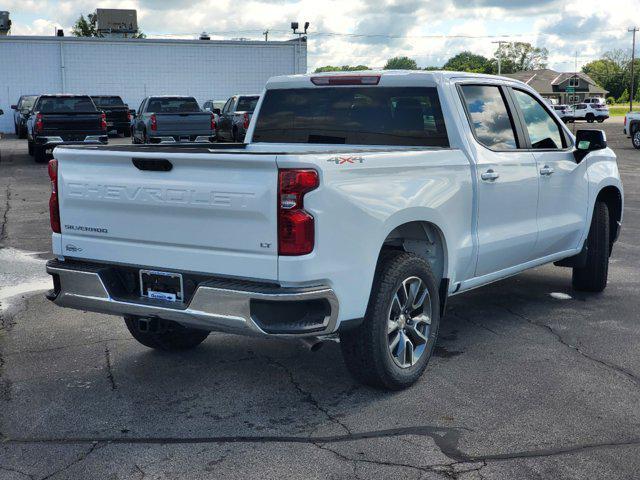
point(158, 285)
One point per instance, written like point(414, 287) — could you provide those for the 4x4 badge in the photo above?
point(345, 159)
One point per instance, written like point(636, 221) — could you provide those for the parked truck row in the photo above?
point(47, 121)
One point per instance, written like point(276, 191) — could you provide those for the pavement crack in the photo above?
point(107, 356)
point(5, 215)
point(19, 472)
point(621, 370)
point(80, 459)
point(309, 396)
point(468, 320)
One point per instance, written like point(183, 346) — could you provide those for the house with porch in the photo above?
point(561, 87)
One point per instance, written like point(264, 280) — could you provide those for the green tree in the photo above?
point(468, 62)
point(401, 63)
point(613, 72)
point(519, 56)
point(88, 27)
point(343, 68)
point(624, 98)
point(85, 27)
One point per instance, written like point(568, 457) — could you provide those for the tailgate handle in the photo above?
point(152, 164)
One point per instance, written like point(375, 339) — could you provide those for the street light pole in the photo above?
point(633, 61)
point(500, 42)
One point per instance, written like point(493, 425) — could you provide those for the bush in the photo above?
point(611, 100)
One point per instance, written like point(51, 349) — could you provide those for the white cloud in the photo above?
point(387, 27)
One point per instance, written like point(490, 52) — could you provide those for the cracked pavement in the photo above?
point(522, 385)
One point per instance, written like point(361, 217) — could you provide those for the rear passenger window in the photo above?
point(489, 117)
point(544, 132)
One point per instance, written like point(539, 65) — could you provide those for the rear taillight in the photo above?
point(103, 121)
point(213, 122)
point(245, 121)
point(129, 116)
point(625, 121)
point(54, 208)
point(296, 227)
point(154, 122)
point(39, 123)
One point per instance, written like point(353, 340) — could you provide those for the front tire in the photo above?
point(590, 117)
point(635, 138)
point(164, 334)
point(393, 345)
point(30, 147)
point(593, 276)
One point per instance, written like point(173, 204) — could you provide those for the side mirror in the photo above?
point(216, 111)
point(588, 141)
point(14, 107)
point(132, 111)
point(1, 112)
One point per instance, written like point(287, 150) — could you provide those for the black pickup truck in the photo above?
point(118, 113)
point(64, 119)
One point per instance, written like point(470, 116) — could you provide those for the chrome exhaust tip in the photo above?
point(313, 344)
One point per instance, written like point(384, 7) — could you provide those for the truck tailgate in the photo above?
point(212, 213)
point(72, 122)
point(187, 123)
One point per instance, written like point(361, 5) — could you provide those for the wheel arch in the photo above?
point(612, 197)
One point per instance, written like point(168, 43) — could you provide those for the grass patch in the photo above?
point(618, 110)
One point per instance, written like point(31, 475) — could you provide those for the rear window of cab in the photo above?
point(396, 116)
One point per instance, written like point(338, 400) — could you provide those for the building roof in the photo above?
point(544, 79)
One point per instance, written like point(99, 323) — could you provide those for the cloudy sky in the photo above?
point(369, 32)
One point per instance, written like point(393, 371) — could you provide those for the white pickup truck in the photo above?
point(359, 203)
point(632, 128)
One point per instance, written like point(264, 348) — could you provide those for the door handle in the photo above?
point(489, 175)
point(546, 170)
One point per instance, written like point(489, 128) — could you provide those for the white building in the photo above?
point(135, 68)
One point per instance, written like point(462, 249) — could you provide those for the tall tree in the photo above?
point(88, 27)
point(613, 73)
point(468, 62)
point(519, 56)
point(401, 63)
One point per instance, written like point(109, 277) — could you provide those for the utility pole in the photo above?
point(500, 42)
point(633, 60)
point(266, 35)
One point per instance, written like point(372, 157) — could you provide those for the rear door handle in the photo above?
point(546, 170)
point(489, 175)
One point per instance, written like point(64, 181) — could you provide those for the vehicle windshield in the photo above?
point(247, 104)
point(27, 102)
point(65, 104)
point(173, 105)
point(108, 101)
point(356, 116)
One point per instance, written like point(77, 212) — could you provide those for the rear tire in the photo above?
point(126, 132)
point(30, 147)
point(593, 276)
point(15, 127)
point(369, 351)
point(39, 154)
point(164, 334)
point(590, 117)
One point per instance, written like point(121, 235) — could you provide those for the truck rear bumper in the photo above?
point(53, 141)
point(218, 305)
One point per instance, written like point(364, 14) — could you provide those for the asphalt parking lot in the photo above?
point(530, 380)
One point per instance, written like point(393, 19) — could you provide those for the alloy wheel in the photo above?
point(409, 322)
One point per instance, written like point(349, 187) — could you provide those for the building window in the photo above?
point(574, 99)
point(574, 82)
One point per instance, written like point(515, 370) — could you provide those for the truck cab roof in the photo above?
point(389, 78)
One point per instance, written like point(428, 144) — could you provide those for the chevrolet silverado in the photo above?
point(359, 203)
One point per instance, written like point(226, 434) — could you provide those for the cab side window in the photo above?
point(544, 132)
point(489, 117)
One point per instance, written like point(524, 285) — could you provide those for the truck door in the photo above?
point(507, 179)
point(563, 186)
